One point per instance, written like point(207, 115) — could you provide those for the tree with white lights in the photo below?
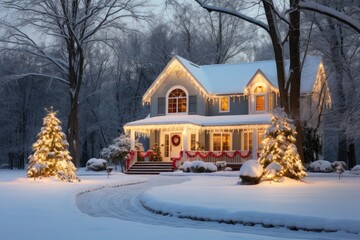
point(279, 147)
point(51, 155)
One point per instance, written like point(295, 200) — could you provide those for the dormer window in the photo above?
point(224, 104)
point(177, 101)
point(262, 100)
point(259, 93)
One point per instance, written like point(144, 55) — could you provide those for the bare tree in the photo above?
point(71, 27)
point(289, 88)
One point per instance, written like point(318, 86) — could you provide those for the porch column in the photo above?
point(185, 141)
point(132, 140)
point(254, 143)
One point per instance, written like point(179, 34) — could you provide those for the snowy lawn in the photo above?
point(322, 202)
point(46, 209)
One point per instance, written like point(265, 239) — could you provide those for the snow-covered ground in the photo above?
point(109, 208)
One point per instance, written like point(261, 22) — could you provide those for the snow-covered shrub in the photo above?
point(335, 165)
point(186, 166)
point(272, 171)
point(355, 170)
point(198, 167)
point(221, 165)
point(228, 169)
point(320, 166)
point(96, 164)
point(120, 147)
point(251, 172)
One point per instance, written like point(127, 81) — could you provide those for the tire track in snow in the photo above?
point(123, 202)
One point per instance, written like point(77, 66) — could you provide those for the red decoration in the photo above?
point(218, 154)
point(132, 154)
point(174, 160)
point(175, 140)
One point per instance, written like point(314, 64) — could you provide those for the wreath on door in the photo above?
point(175, 140)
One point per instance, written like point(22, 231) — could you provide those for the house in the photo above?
point(217, 112)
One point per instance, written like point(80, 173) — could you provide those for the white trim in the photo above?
point(252, 102)
point(228, 97)
point(212, 140)
point(167, 100)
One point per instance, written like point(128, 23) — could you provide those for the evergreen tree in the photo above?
point(279, 147)
point(51, 155)
point(157, 153)
point(311, 143)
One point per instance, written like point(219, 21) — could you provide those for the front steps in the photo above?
point(150, 168)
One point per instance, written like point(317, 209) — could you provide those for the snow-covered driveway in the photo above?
point(124, 203)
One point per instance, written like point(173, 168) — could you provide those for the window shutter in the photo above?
point(192, 104)
point(161, 106)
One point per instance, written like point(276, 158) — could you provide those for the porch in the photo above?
point(229, 138)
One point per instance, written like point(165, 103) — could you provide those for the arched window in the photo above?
point(177, 101)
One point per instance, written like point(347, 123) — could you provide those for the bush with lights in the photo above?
point(279, 147)
point(51, 156)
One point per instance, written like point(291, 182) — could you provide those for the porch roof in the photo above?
point(198, 122)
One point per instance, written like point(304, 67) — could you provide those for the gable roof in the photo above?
point(221, 79)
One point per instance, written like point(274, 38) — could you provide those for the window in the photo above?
point(271, 102)
point(246, 140)
point(167, 144)
point(221, 142)
point(260, 103)
point(193, 142)
point(177, 101)
point(224, 104)
point(259, 98)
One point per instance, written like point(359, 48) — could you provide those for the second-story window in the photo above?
point(224, 104)
point(177, 101)
point(259, 93)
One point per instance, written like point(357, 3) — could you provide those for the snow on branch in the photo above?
point(234, 13)
point(319, 8)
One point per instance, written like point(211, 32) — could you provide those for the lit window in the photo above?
point(177, 101)
point(271, 102)
point(247, 140)
point(167, 144)
point(221, 142)
point(224, 104)
point(259, 93)
point(193, 142)
point(260, 103)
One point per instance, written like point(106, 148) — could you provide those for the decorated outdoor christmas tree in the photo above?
point(157, 153)
point(278, 149)
point(51, 156)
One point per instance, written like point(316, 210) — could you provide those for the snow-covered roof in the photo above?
point(198, 122)
point(220, 79)
point(232, 78)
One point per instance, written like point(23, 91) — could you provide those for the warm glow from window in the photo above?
point(247, 141)
point(259, 89)
point(224, 104)
point(260, 103)
point(221, 142)
point(177, 101)
point(271, 102)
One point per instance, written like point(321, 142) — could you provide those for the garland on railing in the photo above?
point(132, 154)
point(174, 160)
point(218, 155)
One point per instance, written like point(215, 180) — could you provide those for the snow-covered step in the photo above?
point(150, 168)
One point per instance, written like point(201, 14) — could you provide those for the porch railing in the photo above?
point(133, 157)
point(231, 157)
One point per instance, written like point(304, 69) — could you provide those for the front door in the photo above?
point(175, 145)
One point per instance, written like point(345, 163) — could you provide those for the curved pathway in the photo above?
point(123, 202)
